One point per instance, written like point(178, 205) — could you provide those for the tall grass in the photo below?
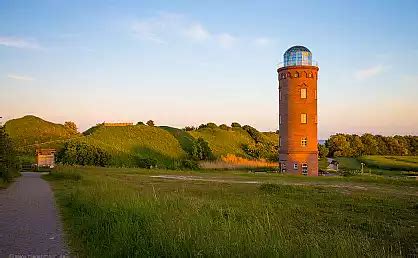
point(231, 161)
point(120, 213)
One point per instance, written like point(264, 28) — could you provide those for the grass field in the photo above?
point(127, 212)
point(405, 163)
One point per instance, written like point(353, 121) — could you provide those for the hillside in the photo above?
point(27, 131)
point(224, 142)
point(128, 144)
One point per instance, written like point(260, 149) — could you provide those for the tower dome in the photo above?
point(297, 55)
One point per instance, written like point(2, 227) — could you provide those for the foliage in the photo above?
point(322, 150)
point(224, 127)
point(150, 123)
point(146, 163)
point(8, 161)
point(126, 213)
point(346, 145)
point(140, 123)
point(263, 146)
point(189, 164)
point(189, 128)
point(71, 126)
point(78, 153)
point(201, 150)
point(211, 125)
point(235, 124)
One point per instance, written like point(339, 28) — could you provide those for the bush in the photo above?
point(77, 153)
point(224, 127)
point(8, 162)
point(200, 150)
point(189, 164)
point(150, 123)
point(236, 125)
point(189, 128)
point(140, 123)
point(211, 125)
point(146, 163)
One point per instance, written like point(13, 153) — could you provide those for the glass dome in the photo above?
point(297, 55)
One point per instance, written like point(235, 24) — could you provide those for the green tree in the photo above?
point(338, 145)
point(8, 160)
point(150, 123)
point(211, 125)
point(370, 145)
point(71, 126)
point(236, 125)
point(357, 147)
point(200, 150)
point(322, 151)
point(140, 123)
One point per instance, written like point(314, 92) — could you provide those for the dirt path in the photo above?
point(29, 221)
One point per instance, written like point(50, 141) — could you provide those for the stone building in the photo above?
point(298, 119)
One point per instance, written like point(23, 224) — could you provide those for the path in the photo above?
point(29, 221)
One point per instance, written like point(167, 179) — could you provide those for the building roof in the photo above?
point(296, 49)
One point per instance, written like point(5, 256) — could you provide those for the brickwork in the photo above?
point(298, 119)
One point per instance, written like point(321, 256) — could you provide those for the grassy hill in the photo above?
point(224, 142)
point(405, 163)
point(127, 144)
point(28, 131)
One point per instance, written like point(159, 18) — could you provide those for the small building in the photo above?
point(117, 124)
point(45, 158)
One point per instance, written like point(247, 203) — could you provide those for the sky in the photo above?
point(190, 62)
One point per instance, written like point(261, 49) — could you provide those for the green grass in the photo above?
point(405, 163)
point(183, 137)
point(348, 163)
point(128, 143)
point(224, 142)
point(124, 213)
point(27, 131)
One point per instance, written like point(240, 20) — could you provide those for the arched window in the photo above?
point(296, 75)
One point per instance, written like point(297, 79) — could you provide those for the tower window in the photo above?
point(310, 75)
point(296, 75)
point(303, 118)
point(304, 142)
point(283, 166)
point(304, 169)
point(295, 166)
point(303, 93)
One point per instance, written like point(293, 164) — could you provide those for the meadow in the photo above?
point(122, 212)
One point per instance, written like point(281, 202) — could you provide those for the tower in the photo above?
point(298, 120)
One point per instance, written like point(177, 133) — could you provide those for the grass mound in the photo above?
point(128, 144)
point(223, 142)
point(28, 131)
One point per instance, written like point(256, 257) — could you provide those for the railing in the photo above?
point(303, 63)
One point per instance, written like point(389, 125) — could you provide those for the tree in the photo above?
point(338, 145)
point(236, 125)
point(224, 127)
point(322, 151)
point(211, 125)
point(369, 144)
point(8, 162)
point(200, 150)
point(79, 153)
point(150, 123)
point(71, 125)
point(356, 145)
point(189, 128)
point(140, 123)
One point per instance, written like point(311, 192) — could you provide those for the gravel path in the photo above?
point(29, 221)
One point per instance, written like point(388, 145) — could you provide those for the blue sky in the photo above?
point(190, 62)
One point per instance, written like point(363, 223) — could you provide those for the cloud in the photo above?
point(226, 40)
point(20, 77)
point(18, 43)
point(166, 27)
point(197, 32)
point(370, 72)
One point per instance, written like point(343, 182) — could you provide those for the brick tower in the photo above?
point(298, 113)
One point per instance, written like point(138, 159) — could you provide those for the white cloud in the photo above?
point(197, 32)
point(18, 77)
point(370, 72)
point(226, 40)
point(166, 26)
point(18, 42)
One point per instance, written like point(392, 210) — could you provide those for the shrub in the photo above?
point(224, 127)
point(146, 163)
point(77, 153)
point(140, 123)
point(200, 150)
point(150, 123)
point(235, 124)
point(211, 125)
point(189, 164)
point(8, 160)
point(189, 128)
